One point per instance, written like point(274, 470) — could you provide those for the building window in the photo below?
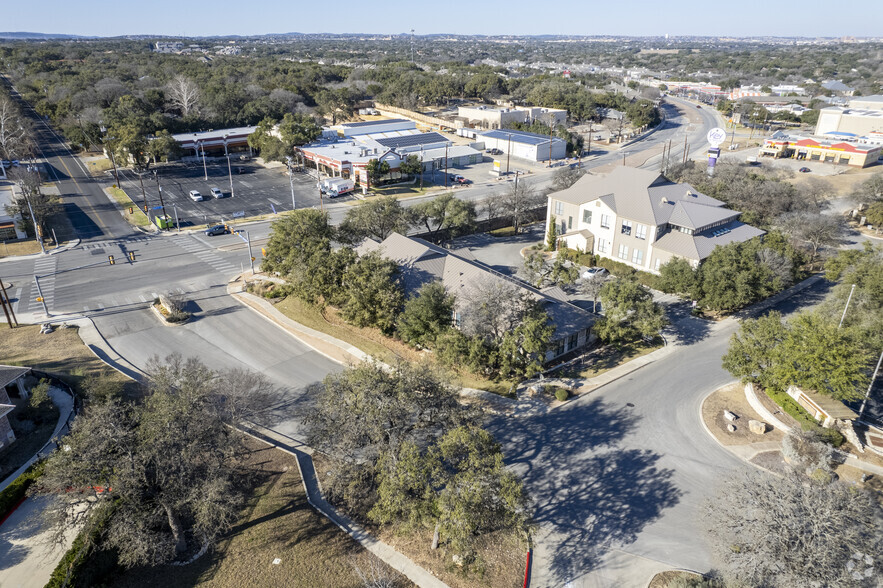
point(605, 221)
point(457, 320)
point(602, 246)
point(626, 227)
point(563, 227)
point(623, 252)
point(658, 263)
point(587, 217)
point(641, 231)
point(569, 223)
point(571, 343)
point(559, 207)
point(638, 257)
point(559, 347)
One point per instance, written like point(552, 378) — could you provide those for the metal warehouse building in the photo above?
point(522, 144)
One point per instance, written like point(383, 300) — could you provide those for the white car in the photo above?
point(216, 192)
point(593, 272)
point(195, 196)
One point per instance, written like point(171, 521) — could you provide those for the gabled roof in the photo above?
point(10, 373)
point(635, 194)
point(700, 246)
point(694, 215)
point(422, 262)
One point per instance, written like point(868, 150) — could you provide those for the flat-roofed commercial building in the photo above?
point(859, 121)
point(844, 149)
point(491, 117)
point(524, 145)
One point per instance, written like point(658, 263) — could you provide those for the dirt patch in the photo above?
point(277, 523)
point(666, 578)
point(772, 461)
point(732, 398)
point(24, 247)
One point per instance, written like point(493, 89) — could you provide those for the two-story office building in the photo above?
point(640, 218)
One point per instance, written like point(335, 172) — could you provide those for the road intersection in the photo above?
point(618, 476)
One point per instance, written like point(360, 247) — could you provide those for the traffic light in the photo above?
point(132, 255)
point(110, 259)
point(145, 209)
point(131, 210)
point(264, 251)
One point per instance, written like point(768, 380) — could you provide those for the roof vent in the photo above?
point(664, 200)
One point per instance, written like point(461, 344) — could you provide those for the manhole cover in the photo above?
point(629, 404)
point(97, 252)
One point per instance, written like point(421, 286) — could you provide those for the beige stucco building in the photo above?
point(640, 218)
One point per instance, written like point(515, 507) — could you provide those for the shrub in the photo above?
point(620, 269)
point(832, 436)
point(561, 394)
point(84, 564)
point(12, 494)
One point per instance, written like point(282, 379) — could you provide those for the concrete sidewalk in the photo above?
point(65, 404)
point(395, 559)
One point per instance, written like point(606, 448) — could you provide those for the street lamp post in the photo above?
point(200, 148)
point(161, 202)
point(291, 183)
point(229, 169)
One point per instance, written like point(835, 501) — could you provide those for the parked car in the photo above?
point(804, 170)
point(593, 272)
point(698, 106)
point(458, 179)
point(216, 192)
point(240, 170)
point(216, 230)
point(196, 196)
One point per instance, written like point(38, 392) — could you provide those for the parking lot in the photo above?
point(256, 191)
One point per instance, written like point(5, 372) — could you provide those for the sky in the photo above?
point(807, 18)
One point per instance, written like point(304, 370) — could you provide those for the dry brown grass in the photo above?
point(277, 522)
point(23, 247)
point(664, 579)
point(60, 353)
point(732, 398)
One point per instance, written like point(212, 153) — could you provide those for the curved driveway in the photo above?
point(619, 475)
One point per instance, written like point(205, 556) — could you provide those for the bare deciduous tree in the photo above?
point(163, 471)
point(184, 94)
point(815, 231)
point(519, 201)
point(794, 531)
point(16, 141)
point(493, 307)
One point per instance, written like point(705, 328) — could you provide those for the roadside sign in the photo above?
point(239, 214)
point(716, 136)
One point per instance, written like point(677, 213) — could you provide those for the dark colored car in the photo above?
point(804, 170)
point(216, 230)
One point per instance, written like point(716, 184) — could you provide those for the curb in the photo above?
point(66, 247)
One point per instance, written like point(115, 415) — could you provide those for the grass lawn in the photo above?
point(277, 523)
point(608, 357)
point(23, 247)
point(60, 353)
point(373, 342)
point(137, 217)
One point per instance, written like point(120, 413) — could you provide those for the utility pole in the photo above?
point(229, 169)
point(143, 193)
point(551, 125)
point(845, 308)
point(6, 302)
point(870, 386)
point(446, 165)
point(159, 189)
point(177, 224)
point(200, 148)
point(250, 256)
point(33, 218)
point(422, 167)
point(508, 151)
point(291, 182)
point(40, 294)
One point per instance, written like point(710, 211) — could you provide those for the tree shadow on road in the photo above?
point(589, 495)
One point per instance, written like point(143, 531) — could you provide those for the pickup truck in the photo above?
point(457, 179)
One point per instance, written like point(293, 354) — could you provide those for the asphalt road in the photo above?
point(90, 212)
point(620, 476)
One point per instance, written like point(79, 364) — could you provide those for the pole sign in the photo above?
point(716, 136)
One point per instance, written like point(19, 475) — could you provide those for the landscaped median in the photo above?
point(131, 211)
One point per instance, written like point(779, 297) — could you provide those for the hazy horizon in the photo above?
point(637, 18)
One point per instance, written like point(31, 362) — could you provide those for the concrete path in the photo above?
point(395, 559)
point(27, 558)
point(65, 404)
